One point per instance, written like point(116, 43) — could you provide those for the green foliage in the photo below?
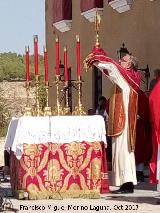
point(12, 66)
point(4, 114)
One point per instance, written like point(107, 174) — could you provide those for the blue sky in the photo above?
point(19, 21)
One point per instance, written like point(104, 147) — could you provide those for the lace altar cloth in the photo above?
point(55, 129)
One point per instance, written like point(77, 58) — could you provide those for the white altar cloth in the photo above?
point(55, 129)
point(11, 133)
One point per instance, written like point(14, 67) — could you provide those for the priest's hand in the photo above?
point(88, 61)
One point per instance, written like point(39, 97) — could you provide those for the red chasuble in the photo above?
point(154, 103)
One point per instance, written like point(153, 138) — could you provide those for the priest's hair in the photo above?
point(134, 62)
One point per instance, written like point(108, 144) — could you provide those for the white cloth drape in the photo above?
point(11, 133)
point(66, 129)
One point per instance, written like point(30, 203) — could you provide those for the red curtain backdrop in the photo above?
point(90, 4)
point(62, 10)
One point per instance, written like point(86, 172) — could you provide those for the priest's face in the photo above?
point(126, 61)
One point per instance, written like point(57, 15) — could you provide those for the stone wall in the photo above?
point(15, 96)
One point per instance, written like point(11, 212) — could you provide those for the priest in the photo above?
point(122, 114)
point(143, 148)
point(154, 103)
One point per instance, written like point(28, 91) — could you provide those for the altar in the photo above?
point(56, 157)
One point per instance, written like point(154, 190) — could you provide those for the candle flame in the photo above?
point(27, 49)
point(44, 49)
point(57, 38)
point(77, 38)
point(65, 49)
point(35, 38)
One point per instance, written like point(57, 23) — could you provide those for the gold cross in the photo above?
point(97, 28)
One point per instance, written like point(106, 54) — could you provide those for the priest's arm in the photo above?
point(114, 71)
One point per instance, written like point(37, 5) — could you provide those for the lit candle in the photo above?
point(78, 57)
point(57, 56)
point(36, 55)
point(65, 65)
point(45, 64)
point(27, 64)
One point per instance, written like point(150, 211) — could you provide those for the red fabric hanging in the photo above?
point(90, 4)
point(62, 10)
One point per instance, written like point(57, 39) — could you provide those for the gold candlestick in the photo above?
point(79, 110)
point(66, 108)
point(28, 109)
point(47, 109)
point(58, 108)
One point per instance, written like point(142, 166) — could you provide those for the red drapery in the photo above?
point(62, 14)
point(62, 10)
point(90, 4)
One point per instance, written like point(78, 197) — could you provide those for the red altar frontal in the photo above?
point(58, 169)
